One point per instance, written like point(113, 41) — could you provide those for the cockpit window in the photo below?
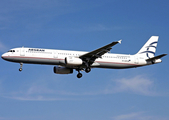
point(11, 51)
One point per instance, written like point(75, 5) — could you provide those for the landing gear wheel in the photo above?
point(20, 69)
point(88, 69)
point(79, 75)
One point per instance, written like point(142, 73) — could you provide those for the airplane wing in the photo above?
point(91, 56)
point(156, 57)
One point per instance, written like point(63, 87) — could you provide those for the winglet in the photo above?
point(119, 41)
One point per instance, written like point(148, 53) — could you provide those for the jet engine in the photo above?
point(62, 70)
point(73, 61)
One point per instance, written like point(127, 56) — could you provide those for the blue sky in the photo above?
point(103, 94)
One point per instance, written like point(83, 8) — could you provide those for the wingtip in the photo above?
point(120, 41)
point(165, 54)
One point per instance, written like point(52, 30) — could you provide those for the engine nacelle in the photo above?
point(73, 61)
point(62, 70)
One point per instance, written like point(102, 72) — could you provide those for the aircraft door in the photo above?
point(55, 54)
point(22, 51)
point(136, 60)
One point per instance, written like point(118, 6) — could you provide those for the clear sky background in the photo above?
point(37, 93)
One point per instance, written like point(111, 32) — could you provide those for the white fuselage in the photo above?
point(57, 57)
point(66, 61)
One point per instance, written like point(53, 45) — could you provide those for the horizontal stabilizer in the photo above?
point(156, 57)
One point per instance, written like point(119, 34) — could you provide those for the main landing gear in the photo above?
point(20, 69)
point(87, 70)
point(79, 75)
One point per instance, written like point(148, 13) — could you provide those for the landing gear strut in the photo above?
point(87, 69)
point(79, 75)
point(20, 69)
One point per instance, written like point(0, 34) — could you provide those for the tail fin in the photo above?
point(149, 48)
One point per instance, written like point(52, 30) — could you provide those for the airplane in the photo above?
point(65, 61)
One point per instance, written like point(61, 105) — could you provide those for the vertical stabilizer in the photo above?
point(149, 48)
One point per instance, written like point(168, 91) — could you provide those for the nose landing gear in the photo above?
point(20, 69)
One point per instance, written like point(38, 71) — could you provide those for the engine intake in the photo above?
point(73, 61)
point(62, 70)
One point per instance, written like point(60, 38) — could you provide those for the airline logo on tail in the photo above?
point(150, 47)
point(150, 51)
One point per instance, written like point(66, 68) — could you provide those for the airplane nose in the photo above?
point(3, 56)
